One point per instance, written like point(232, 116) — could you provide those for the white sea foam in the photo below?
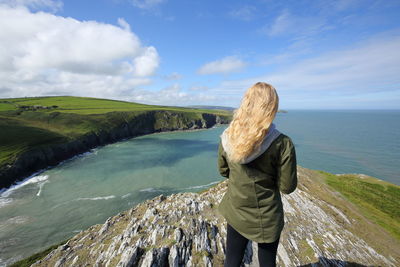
point(96, 198)
point(85, 154)
point(202, 186)
point(17, 220)
point(41, 187)
point(82, 198)
point(155, 190)
point(11, 223)
point(31, 180)
point(61, 204)
point(151, 190)
point(5, 201)
point(126, 195)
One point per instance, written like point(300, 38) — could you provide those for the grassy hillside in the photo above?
point(377, 200)
point(37, 256)
point(31, 122)
point(87, 105)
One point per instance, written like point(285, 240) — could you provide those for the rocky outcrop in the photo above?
point(186, 229)
point(147, 122)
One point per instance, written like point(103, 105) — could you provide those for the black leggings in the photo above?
point(236, 245)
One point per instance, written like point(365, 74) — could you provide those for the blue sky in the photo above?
point(341, 54)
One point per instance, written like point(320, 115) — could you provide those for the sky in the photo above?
point(318, 54)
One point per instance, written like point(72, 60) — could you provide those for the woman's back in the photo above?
point(252, 204)
point(259, 162)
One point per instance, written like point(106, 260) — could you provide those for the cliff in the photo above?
point(185, 229)
point(105, 129)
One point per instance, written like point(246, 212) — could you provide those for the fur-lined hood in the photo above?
point(272, 134)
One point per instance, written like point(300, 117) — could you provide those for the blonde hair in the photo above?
point(252, 120)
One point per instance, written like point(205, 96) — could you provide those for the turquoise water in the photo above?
point(59, 202)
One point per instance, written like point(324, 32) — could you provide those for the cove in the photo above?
point(59, 202)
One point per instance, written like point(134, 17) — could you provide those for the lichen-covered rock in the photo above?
point(186, 229)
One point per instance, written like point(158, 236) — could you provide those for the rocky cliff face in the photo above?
point(145, 123)
point(186, 229)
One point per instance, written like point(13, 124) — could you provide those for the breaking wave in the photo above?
point(95, 198)
point(152, 190)
point(155, 190)
point(41, 187)
point(82, 198)
point(201, 186)
point(33, 180)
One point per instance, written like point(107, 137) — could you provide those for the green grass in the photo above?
point(16, 138)
point(35, 257)
point(377, 200)
point(89, 105)
point(26, 129)
point(7, 106)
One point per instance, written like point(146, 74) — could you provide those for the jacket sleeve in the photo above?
point(223, 167)
point(287, 168)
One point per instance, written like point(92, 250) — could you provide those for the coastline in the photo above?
point(35, 161)
point(92, 150)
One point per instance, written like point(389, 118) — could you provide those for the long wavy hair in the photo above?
point(252, 120)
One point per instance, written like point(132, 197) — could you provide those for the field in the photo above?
point(88, 105)
point(32, 122)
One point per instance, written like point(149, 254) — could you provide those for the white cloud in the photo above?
point(297, 26)
point(146, 63)
point(50, 5)
point(171, 95)
point(124, 25)
point(66, 83)
point(42, 52)
point(367, 69)
point(245, 13)
point(281, 24)
point(224, 65)
point(173, 76)
point(346, 4)
point(199, 87)
point(147, 4)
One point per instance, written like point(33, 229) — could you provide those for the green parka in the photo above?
point(252, 204)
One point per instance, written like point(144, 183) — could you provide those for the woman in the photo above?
point(260, 162)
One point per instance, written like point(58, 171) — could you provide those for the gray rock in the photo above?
point(186, 229)
point(130, 257)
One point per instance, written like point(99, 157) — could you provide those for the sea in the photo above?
point(57, 203)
